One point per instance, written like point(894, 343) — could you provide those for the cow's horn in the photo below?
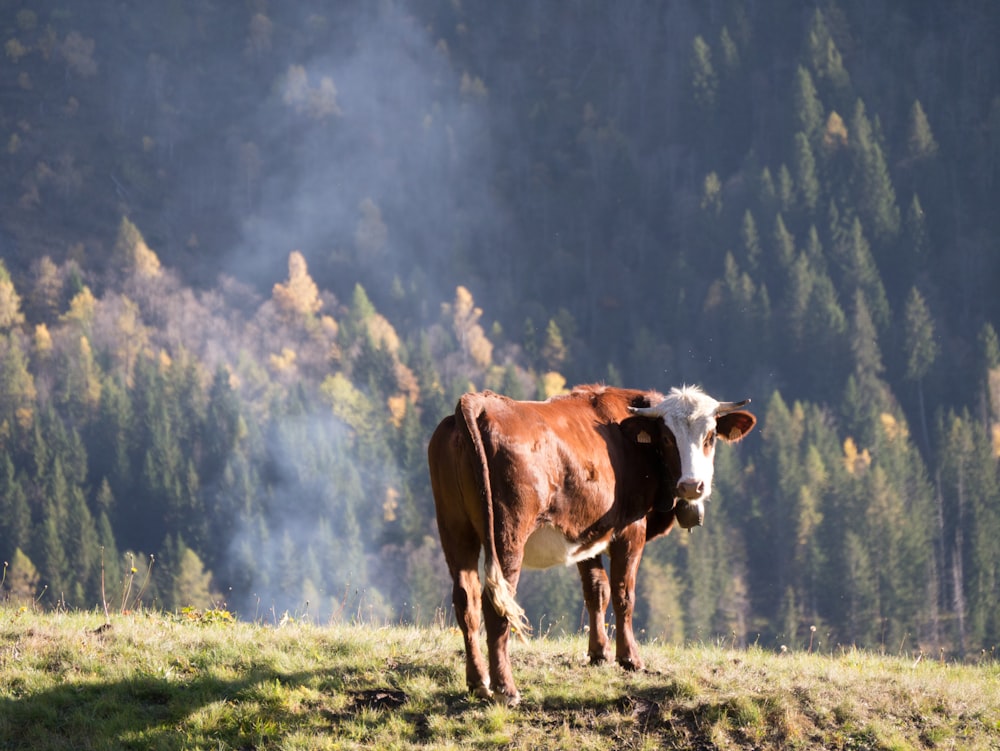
point(727, 407)
point(654, 411)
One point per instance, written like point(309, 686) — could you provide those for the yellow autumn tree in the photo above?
point(81, 311)
point(349, 405)
point(856, 462)
point(43, 341)
point(129, 336)
point(465, 323)
point(192, 585)
point(21, 582)
point(298, 297)
point(835, 134)
point(85, 375)
point(46, 289)
point(552, 384)
point(132, 254)
point(10, 301)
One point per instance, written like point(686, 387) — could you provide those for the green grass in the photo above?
point(158, 681)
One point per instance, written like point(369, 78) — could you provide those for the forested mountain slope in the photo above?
point(253, 253)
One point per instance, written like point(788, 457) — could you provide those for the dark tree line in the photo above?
point(793, 203)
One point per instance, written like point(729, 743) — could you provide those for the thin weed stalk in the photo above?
point(127, 585)
point(41, 594)
point(145, 582)
point(130, 580)
point(104, 598)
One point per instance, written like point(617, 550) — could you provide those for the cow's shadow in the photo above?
point(251, 713)
point(161, 710)
point(89, 715)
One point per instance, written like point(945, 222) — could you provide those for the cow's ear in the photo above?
point(734, 425)
point(641, 430)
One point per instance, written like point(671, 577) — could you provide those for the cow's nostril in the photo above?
point(690, 490)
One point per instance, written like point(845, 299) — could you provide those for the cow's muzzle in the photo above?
point(690, 490)
point(689, 514)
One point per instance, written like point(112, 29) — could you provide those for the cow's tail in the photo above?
point(496, 586)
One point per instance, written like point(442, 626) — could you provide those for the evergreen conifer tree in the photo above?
point(877, 199)
point(809, 115)
point(921, 349)
point(969, 492)
point(18, 395)
point(750, 240)
point(784, 244)
point(704, 80)
point(50, 552)
point(861, 274)
point(915, 235)
point(989, 368)
point(920, 141)
point(82, 551)
point(15, 514)
point(805, 173)
point(866, 395)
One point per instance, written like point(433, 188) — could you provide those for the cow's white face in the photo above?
point(690, 416)
point(696, 421)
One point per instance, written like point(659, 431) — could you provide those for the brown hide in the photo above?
point(569, 463)
point(564, 481)
point(581, 464)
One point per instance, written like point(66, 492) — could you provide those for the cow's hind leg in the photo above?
point(468, 606)
point(596, 596)
point(461, 551)
point(498, 638)
point(461, 546)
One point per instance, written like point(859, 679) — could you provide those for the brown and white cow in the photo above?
point(538, 484)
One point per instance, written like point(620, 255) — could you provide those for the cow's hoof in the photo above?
point(511, 700)
point(630, 665)
point(482, 692)
point(600, 659)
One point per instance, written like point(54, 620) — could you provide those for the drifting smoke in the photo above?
point(307, 550)
point(375, 153)
point(364, 155)
point(368, 153)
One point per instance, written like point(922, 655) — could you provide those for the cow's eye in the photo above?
point(710, 439)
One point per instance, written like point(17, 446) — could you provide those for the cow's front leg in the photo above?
point(596, 595)
point(625, 552)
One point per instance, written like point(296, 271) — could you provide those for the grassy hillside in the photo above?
point(200, 680)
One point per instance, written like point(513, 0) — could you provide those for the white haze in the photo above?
point(405, 139)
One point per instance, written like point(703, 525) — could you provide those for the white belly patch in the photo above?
point(549, 547)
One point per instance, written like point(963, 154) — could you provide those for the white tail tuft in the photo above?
point(500, 594)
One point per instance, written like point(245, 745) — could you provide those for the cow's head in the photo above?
point(694, 421)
